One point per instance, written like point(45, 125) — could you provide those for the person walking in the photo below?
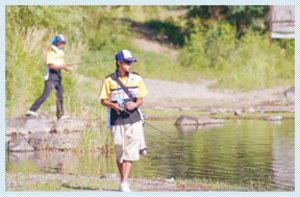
point(54, 63)
point(122, 93)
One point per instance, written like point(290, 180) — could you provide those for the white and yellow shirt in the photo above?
point(113, 92)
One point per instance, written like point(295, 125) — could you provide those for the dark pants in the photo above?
point(47, 90)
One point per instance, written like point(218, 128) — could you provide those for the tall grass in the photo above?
point(96, 33)
point(25, 70)
point(249, 63)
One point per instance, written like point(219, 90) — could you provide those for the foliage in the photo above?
point(210, 46)
point(247, 63)
point(174, 34)
point(243, 17)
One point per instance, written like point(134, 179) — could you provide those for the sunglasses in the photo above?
point(127, 62)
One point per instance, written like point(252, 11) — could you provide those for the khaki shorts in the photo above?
point(127, 139)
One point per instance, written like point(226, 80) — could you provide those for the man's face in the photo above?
point(125, 65)
point(60, 45)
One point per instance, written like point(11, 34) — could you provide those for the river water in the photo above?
point(236, 152)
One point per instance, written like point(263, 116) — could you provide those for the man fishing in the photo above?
point(122, 92)
point(54, 63)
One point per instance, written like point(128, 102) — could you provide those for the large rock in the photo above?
point(18, 157)
point(290, 94)
point(38, 125)
point(69, 125)
point(274, 118)
point(188, 129)
point(69, 141)
point(207, 120)
point(186, 120)
point(15, 130)
point(43, 140)
point(13, 126)
point(18, 144)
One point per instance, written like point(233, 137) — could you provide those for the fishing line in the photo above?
point(153, 127)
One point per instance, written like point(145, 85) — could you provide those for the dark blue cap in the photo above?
point(58, 38)
point(125, 55)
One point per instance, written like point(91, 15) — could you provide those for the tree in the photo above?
point(242, 16)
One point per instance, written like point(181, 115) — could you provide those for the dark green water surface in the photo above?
point(238, 152)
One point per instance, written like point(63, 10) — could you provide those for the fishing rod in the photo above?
point(152, 126)
point(158, 130)
point(83, 63)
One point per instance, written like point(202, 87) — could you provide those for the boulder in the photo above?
point(290, 94)
point(18, 157)
point(69, 125)
point(13, 126)
point(43, 140)
point(238, 112)
point(18, 144)
point(38, 140)
point(38, 125)
point(15, 130)
point(187, 128)
point(213, 111)
point(274, 118)
point(68, 141)
point(18, 122)
point(44, 115)
point(186, 120)
point(250, 110)
point(53, 142)
point(207, 120)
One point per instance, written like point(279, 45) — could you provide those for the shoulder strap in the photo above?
point(113, 77)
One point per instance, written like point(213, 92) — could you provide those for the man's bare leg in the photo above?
point(126, 170)
point(120, 167)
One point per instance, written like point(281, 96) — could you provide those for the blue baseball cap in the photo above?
point(125, 55)
point(58, 38)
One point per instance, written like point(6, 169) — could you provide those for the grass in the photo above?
point(58, 183)
point(225, 115)
point(210, 185)
point(64, 182)
point(98, 32)
point(95, 138)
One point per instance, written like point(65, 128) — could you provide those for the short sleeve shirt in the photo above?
point(134, 83)
point(113, 92)
point(55, 59)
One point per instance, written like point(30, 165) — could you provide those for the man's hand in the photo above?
point(131, 106)
point(68, 68)
point(58, 67)
point(118, 107)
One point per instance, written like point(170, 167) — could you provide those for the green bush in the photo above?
point(248, 63)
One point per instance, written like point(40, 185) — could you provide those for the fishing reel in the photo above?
point(123, 106)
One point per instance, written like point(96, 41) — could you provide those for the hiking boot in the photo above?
point(64, 117)
point(31, 113)
point(144, 152)
point(124, 187)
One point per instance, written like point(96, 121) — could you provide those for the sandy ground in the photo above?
point(171, 94)
point(69, 182)
point(184, 94)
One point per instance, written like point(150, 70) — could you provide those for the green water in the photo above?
point(238, 152)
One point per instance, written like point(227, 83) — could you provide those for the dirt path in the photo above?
point(68, 182)
point(175, 94)
point(170, 94)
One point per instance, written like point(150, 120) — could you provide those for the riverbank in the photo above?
point(110, 183)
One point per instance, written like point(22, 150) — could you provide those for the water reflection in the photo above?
point(243, 152)
point(187, 129)
point(68, 162)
